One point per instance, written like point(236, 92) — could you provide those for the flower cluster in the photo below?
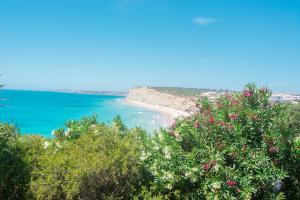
point(231, 183)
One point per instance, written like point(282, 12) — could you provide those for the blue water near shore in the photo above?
point(36, 112)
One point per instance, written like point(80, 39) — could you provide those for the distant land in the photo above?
point(176, 102)
point(187, 93)
point(190, 92)
point(94, 92)
point(212, 94)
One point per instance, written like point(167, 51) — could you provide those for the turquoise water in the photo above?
point(41, 112)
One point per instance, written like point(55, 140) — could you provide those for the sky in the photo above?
point(119, 44)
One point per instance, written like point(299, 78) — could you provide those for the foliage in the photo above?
point(14, 174)
point(75, 129)
point(117, 122)
point(239, 147)
point(189, 92)
point(89, 161)
point(289, 124)
point(234, 148)
point(292, 117)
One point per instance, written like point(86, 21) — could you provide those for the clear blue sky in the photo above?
point(117, 44)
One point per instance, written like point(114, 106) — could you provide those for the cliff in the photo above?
point(177, 105)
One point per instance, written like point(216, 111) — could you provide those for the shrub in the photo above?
point(290, 127)
point(14, 171)
point(291, 118)
point(234, 148)
point(89, 160)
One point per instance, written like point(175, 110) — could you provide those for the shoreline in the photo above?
point(168, 114)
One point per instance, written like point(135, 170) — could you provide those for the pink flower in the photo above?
point(238, 190)
point(273, 149)
point(233, 116)
point(196, 124)
point(234, 102)
point(228, 96)
point(229, 126)
point(247, 93)
point(222, 123)
point(212, 120)
point(231, 183)
point(205, 167)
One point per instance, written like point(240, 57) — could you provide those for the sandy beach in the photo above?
point(168, 114)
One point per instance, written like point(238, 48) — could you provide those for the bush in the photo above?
point(89, 161)
point(292, 117)
point(14, 171)
point(235, 148)
point(290, 127)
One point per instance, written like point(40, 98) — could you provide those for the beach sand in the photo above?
point(168, 114)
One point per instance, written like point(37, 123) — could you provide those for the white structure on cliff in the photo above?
point(285, 98)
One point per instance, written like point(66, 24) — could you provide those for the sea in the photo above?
point(41, 112)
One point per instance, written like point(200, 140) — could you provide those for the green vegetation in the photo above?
point(88, 161)
point(14, 170)
point(292, 117)
point(189, 92)
point(234, 149)
point(239, 147)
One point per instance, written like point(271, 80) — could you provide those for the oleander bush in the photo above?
point(235, 148)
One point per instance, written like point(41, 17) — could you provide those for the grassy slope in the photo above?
point(190, 92)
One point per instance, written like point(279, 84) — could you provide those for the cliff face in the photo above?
point(156, 98)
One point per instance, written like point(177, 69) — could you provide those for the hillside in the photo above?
point(186, 92)
point(158, 99)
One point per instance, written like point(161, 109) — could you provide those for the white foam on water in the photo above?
point(152, 122)
point(157, 116)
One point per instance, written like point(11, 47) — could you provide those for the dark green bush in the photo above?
point(14, 171)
